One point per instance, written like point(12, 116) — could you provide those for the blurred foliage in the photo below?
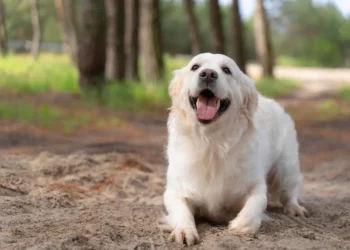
point(55, 73)
point(131, 96)
point(310, 34)
point(43, 115)
point(276, 87)
point(344, 93)
point(19, 22)
point(52, 73)
point(316, 33)
point(297, 62)
point(331, 107)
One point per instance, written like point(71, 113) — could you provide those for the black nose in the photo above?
point(208, 75)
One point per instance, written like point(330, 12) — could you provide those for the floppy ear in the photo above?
point(250, 98)
point(176, 84)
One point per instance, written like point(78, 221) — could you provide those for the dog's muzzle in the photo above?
point(207, 106)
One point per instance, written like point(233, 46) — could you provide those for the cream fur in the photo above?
point(224, 171)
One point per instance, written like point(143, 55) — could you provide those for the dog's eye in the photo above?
point(226, 70)
point(195, 67)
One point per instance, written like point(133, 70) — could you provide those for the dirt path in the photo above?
point(102, 189)
point(325, 75)
point(315, 82)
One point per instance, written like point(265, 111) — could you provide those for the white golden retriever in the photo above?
point(229, 148)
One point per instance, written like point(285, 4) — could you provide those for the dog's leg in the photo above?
point(290, 201)
point(181, 219)
point(289, 178)
point(290, 193)
point(248, 220)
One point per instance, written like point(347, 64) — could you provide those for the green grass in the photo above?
point(276, 87)
point(49, 117)
point(297, 62)
point(131, 96)
point(330, 108)
point(52, 73)
point(344, 93)
point(43, 115)
point(55, 73)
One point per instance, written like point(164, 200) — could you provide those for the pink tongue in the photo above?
point(206, 108)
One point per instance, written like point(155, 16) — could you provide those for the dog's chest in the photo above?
point(216, 185)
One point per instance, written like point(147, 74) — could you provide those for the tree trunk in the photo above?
point(217, 37)
point(132, 23)
point(36, 29)
point(237, 37)
point(193, 28)
point(262, 40)
point(66, 15)
point(92, 48)
point(151, 50)
point(3, 36)
point(158, 35)
point(115, 58)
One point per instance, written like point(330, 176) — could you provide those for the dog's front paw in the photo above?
point(188, 236)
point(293, 209)
point(244, 226)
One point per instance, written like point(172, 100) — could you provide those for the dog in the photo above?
point(228, 149)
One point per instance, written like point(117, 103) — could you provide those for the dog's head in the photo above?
point(212, 88)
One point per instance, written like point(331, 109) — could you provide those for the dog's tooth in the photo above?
point(217, 104)
point(198, 99)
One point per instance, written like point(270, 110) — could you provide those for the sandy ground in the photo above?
point(103, 189)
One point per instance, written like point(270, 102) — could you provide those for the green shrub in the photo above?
point(344, 93)
point(276, 87)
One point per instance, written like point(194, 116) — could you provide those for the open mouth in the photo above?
point(208, 107)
